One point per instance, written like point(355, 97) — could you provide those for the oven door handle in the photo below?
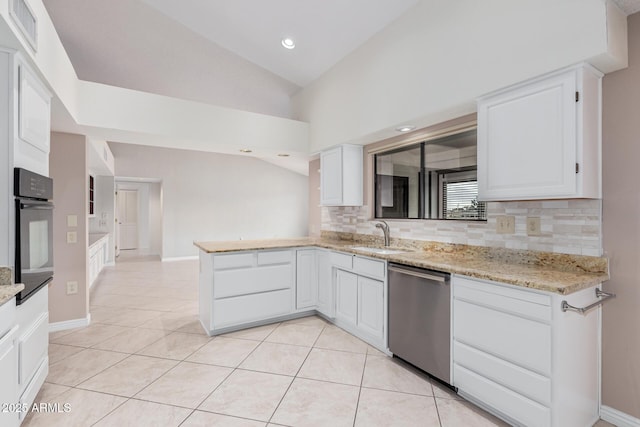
point(43, 206)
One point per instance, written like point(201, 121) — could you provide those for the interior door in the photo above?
point(127, 219)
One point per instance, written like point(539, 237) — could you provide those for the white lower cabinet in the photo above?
point(347, 297)
point(98, 253)
point(306, 279)
point(242, 288)
point(8, 364)
point(325, 303)
point(360, 300)
point(371, 307)
point(518, 355)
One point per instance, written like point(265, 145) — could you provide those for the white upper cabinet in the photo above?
point(541, 139)
point(31, 118)
point(341, 176)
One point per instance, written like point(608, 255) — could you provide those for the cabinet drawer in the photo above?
point(275, 257)
point(369, 267)
point(523, 342)
point(520, 302)
point(523, 381)
point(29, 395)
point(522, 410)
point(32, 348)
point(342, 260)
point(251, 308)
point(243, 260)
point(7, 316)
point(249, 281)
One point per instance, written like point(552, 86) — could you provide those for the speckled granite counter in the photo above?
point(7, 288)
point(545, 271)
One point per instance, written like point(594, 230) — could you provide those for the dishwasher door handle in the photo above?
point(420, 275)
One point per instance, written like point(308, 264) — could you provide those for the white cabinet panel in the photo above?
point(250, 308)
point(9, 375)
point(331, 177)
point(531, 137)
point(32, 348)
point(369, 267)
point(371, 307)
point(347, 297)
point(230, 283)
point(306, 279)
point(34, 111)
point(325, 284)
point(341, 180)
point(520, 341)
point(534, 386)
point(517, 407)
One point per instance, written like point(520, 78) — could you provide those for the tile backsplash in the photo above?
point(567, 226)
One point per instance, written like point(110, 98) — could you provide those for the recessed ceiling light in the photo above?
point(245, 150)
point(288, 43)
point(405, 128)
point(283, 155)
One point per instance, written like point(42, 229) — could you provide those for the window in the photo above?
point(434, 179)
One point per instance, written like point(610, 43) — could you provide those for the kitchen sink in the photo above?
point(379, 251)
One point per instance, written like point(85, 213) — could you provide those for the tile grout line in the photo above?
point(364, 368)
point(296, 375)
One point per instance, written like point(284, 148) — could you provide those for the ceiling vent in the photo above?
point(26, 21)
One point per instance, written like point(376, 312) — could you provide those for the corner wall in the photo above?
point(68, 169)
point(621, 228)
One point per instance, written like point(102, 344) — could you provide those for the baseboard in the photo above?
point(618, 418)
point(70, 324)
point(110, 264)
point(180, 258)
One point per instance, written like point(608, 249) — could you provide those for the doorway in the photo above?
point(127, 219)
point(139, 217)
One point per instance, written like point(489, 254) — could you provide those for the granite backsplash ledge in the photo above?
point(6, 276)
point(542, 259)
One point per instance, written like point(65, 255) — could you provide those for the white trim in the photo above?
point(70, 324)
point(180, 258)
point(109, 264)
point(618, 418)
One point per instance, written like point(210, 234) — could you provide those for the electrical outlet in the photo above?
point(533, 226)
point(72, 237)
point(506, 224)
point(72, 288)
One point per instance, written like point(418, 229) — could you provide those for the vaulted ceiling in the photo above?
point(221, 52)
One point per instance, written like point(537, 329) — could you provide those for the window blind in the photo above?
point(460, 201)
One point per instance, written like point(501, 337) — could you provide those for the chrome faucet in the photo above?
point(385, 230)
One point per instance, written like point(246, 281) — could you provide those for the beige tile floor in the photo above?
point(145, 361)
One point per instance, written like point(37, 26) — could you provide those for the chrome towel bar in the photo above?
point(582, 310)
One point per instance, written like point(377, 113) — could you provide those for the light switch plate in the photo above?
point(72, 237)
point(72, 288)
point(72, 220)
point(533, 226)
point(506, 224)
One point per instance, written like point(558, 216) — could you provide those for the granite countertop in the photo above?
point(7, 288)
point(559, 273)
point(96, 237)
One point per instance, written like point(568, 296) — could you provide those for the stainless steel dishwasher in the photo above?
point(419, 318)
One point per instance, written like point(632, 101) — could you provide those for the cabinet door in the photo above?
point(34, 111)
point(9, 375)
point(325, 284)
point(331, 177)
point(371, 306)
point(347, 297)
point(527, 141)
point(306, 279)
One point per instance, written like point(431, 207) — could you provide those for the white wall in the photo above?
point(430, 64)
point(155, 218)
point(207, 196)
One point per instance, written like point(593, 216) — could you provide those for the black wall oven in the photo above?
point(34, 231)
